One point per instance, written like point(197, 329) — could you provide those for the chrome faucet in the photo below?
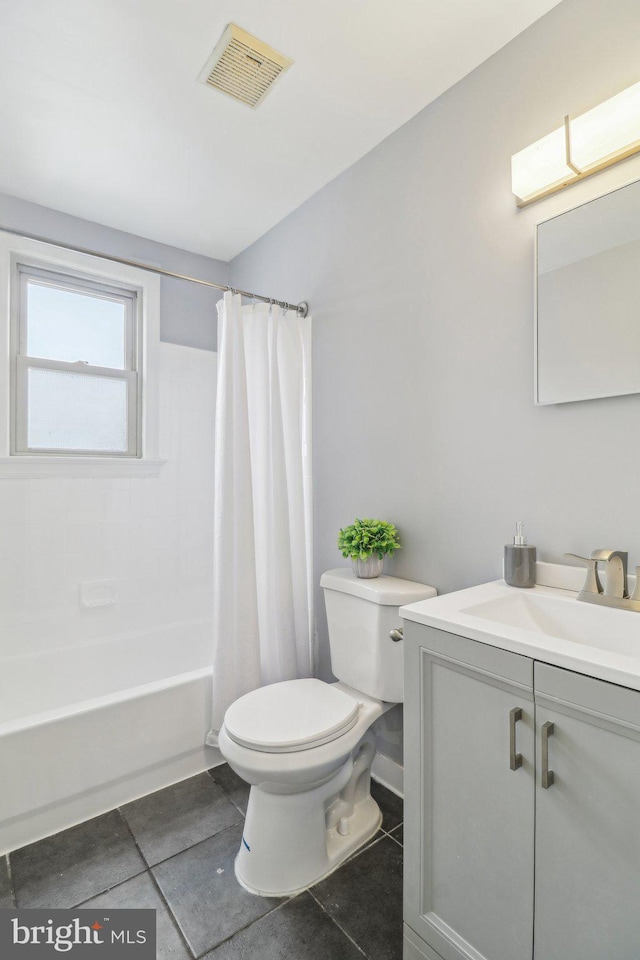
point(615, 567)
point(616, 592)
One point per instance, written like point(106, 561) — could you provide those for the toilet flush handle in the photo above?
point(397, 635)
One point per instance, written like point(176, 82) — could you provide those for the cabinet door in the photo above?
point(469, 830)
point(587, 819)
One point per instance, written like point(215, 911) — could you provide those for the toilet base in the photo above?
point(291, 841)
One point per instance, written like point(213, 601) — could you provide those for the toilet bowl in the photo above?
point(309, 804)
point(306, 746)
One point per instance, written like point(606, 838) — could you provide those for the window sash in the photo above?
point(25, 273)
point(21, 407)
point(76, 284)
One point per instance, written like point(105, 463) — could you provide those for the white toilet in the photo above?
point(306, 746)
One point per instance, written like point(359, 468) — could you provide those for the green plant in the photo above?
point(365, 537)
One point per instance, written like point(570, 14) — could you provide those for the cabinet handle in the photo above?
point(548, 730)
point(515, 759)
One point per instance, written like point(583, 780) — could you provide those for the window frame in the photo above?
point(22, 361)
point(22, 259)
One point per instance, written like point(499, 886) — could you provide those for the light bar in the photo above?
point(583, 146)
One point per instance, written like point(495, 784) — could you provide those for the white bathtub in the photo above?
point(85, 729)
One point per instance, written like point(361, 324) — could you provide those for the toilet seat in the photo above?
point(291, 716)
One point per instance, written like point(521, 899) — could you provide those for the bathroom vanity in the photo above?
point(522, 776)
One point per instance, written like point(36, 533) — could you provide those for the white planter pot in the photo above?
point(367, 569)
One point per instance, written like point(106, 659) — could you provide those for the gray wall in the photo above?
point(187, 310)
point(419, 271)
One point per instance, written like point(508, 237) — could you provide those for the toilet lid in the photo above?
point(289, 716)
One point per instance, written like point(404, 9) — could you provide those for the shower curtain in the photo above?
point(262, 589)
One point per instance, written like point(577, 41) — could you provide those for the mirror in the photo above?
point(588, 300)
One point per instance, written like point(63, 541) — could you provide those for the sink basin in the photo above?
point(565, 618)
point(547, 623)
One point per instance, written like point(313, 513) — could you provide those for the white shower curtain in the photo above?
point(262, 589)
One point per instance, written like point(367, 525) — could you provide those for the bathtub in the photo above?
point(86, 728)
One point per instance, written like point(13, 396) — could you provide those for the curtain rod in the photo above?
point(301, 308)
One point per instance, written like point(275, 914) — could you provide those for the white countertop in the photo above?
point(546, 623)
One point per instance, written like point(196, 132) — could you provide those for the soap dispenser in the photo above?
point(520, 561)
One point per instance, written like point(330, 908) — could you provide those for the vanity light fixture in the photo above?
point(582, 146)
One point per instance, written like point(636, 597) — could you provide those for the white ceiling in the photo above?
point(101, 115)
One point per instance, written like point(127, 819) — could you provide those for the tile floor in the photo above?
point(174, 850)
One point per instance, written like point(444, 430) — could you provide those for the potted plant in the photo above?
point(367, 542)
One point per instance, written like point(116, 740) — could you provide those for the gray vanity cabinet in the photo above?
point(587, 819)
point(469, 798)
point(474, 811)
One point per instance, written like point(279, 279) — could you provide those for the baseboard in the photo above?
point(389, 773)
point(415, 948)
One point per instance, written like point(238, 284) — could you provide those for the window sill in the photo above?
point(50, 468)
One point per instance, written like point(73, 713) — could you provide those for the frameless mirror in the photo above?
point(588, 300)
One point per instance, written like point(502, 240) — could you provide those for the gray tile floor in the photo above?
point(173, 851)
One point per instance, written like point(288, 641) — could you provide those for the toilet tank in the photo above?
point(360, 616)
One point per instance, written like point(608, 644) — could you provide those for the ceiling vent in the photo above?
point(243, 67)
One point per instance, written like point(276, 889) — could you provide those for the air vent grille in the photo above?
point(243, 67)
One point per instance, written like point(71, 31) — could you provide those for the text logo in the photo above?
point(81, 934)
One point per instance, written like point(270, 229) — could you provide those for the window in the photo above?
point(80, 386)
point(76, 375)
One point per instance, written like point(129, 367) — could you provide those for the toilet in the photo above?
point(306, 746)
